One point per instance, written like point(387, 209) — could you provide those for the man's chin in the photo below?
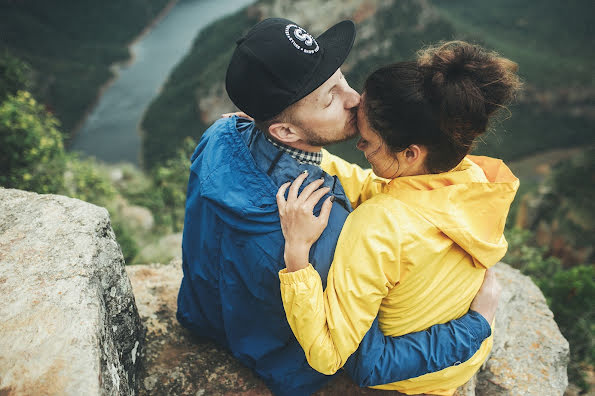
point(349, 132)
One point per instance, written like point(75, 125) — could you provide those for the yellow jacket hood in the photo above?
point(469, 204)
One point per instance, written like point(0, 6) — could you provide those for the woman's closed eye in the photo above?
point(362, 143)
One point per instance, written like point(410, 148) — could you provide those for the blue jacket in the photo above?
point(232, 253)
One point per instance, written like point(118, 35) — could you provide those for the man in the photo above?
point(290, 83)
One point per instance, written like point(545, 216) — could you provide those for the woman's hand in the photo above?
point(486, 300)
point(300, 227)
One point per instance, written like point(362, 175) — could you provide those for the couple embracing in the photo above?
point(301, 263)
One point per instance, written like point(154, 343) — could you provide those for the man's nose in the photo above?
point(352, 98)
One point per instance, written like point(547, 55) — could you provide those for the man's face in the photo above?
point(328, 114)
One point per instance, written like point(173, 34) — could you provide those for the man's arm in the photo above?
point(382, 360)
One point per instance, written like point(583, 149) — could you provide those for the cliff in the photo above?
point(69, 322)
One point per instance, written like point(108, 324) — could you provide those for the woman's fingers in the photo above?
point(281, 196)
point(325, 211)
point(309, 189)
point(313, 199)
point(295, 186)
point(307, 198)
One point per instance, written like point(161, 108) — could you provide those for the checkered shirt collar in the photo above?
point(301, 156)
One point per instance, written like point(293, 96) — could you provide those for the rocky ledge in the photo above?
point(529, 356)
point(69, 324)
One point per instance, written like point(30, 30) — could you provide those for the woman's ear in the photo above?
point(283, 132)
point(415, 156)
point(413, 153)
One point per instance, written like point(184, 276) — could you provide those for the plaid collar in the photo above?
point(301, 156)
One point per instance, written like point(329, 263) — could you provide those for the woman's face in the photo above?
point(384, 163)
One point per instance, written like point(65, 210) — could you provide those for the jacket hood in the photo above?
point(230, 164)
point(469, 204)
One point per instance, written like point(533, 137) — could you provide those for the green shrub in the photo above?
point(14, 75)
point(525, 255)
point(171, 180)
point(31, 149)
point(125, 238)
point(84, 181)
point(570, 295)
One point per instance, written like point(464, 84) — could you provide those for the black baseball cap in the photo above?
point(278, 63)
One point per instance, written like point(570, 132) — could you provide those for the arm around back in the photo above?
point(381, 359)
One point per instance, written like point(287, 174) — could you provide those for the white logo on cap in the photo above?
point(305, 43)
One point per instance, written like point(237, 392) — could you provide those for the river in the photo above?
point(111, 131)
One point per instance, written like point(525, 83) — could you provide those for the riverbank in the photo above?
point(116, 66)
point(72, 47)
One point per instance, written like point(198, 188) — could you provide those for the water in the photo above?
point(111, 132)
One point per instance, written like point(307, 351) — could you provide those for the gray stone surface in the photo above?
point(529, 355)
point(68, 319)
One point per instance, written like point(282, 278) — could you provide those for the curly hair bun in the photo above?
point(465, 85)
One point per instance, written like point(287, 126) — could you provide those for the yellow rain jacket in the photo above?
point(413, 252)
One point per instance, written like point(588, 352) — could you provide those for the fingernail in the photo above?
point(305, 171)
point(333, 198)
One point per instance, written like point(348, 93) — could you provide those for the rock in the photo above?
point(529, 355)
point(68, 320)
point(177, 363)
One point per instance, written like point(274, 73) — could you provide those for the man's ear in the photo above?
point(284, 132)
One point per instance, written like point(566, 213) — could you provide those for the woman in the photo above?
point(428, 221)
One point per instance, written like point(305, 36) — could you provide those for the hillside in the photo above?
point(72, 46)
point(550, 43)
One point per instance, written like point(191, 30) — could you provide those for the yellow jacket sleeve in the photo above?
point(359, 184)
point(329, 326)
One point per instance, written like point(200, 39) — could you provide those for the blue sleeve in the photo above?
point(382, 360)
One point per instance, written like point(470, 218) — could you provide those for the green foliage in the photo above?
point(31, 150)
point(525, 255)
point(571, 296)
point(171, 180)
point(32, 158)
point(126, 239)
point(84, 181)
point(14, 75)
